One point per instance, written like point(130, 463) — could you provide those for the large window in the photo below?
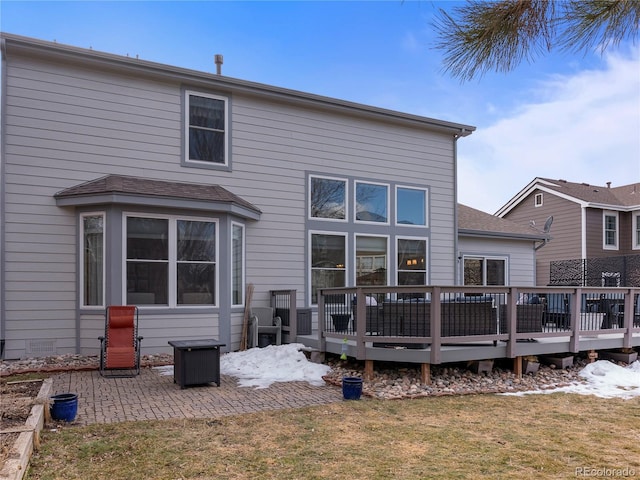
point(170, 261)
point(411, 206)
point(92, 259)
point(207, 128)
point(372, 202)
point(371, 260)
point(610, 230)
point(237, 266)
point(636, 230)
point(328, 258)
point(412, 261)
point(328, 197)
point(485, 271)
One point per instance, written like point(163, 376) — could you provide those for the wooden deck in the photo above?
point(579, 325)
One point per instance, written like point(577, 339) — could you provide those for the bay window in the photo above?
point(92, 259)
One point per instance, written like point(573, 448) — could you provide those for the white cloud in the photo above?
point(583, 128)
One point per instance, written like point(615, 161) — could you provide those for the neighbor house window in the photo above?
point(237, 264)
point(412, 261)
point(328, 198)
point(92, 259)
point(206, 128)
point(411, 206)
point(371, 260)
point(485, 271)
point(170, 261)
point(636, 230)
point(610, 230)
point(538, 200)
point(328, 259)
point(372, 202)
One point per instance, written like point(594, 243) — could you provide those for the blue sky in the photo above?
point(570, 116)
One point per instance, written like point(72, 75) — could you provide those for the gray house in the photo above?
point(130, 182)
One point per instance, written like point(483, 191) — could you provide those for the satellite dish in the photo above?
point(547, 224)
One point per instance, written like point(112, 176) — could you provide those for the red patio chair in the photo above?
point(120, 345)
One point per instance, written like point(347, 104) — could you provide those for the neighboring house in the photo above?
point(495, 251)
point(127, 181)
point(589, 222)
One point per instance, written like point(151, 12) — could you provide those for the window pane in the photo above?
point(237, 280)
point(411, 208)
point(495, 272)
point(371, 202)
point(196, 241)
point(473, 268)
point(206, 112)
point(147, 238)
point(196, 283)
point(147, 283)
point(412, 254)
point(327, 263)
point(411, 278)
point(371, 261)
point(206, 145)
point(328, 198)
point(93, 255)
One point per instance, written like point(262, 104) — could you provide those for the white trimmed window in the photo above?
point(610, 230)
point(237, 264)
point(636, 230)
point(328, 262)
point(371, 260)
point(327, 198)
point(170, 261)
point(371, 202)
point(412, 261)
point(538, 200)
point(92, 254)
point(411, 206)
point(206, 129)
point(485, 271)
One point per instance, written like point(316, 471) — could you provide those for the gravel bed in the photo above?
point(391, 380)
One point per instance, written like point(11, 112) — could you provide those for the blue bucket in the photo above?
point(64, 407)
point(351, 388)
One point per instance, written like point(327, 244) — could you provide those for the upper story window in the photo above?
point(92, 259)
point(538, 200)
point(170, 261)
point(372, 202)
point(328, 198)
point(411, 206)
point(206, 137)
point(636, 230)
point(610, 230)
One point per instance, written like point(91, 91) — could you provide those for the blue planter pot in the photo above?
point(351, 388)
point(64, 407)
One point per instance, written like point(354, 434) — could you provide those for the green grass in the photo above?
point(483, 436)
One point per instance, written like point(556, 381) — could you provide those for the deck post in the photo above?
point(517, 367)
point(425, 373)
point(368, 370)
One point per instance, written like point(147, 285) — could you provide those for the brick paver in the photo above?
point(152, 396)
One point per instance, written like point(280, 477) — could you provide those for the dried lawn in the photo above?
point(482, 436)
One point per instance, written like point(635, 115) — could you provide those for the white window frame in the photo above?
point(426, 258)
point(242, 267)
point(426, 206)
point(346, 199)
point(484, 259)
point(605, 214)
point(201, 163)
point(635, 231)
point(311, 233)
point(355, 202)
point(172, 273)
point(538, 200)
point(355, 253)
point(82, 258)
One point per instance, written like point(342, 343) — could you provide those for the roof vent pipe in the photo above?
point(219, 61)
point(608, 184)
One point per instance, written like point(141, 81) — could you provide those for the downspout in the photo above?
point(456, 259)
point(3, 105)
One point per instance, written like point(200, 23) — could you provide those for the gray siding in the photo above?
point(70, 123)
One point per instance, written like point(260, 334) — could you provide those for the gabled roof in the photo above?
point(121, 189)
point(474, 222)
point(625, 197)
